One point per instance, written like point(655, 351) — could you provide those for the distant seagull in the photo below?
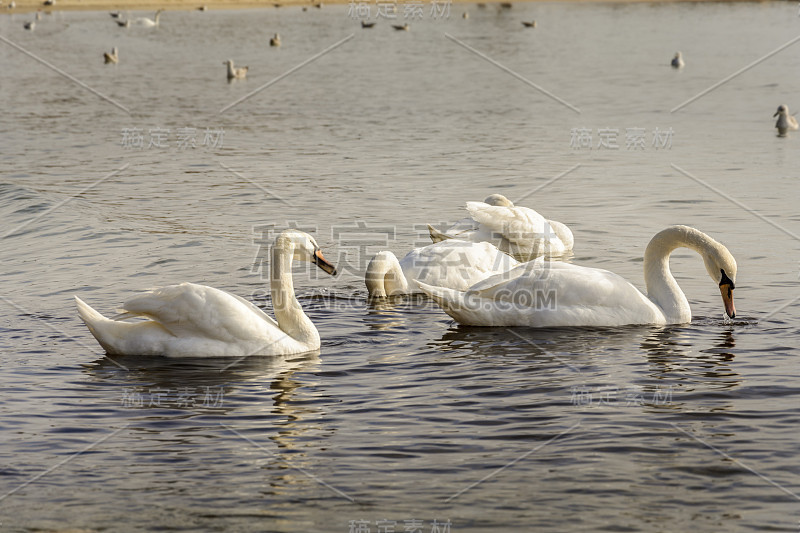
point(531, 24)
point(30, 25)
point(123, 23)
point(786, 121)
point(149, 23)
point(235, 72)
point(202, 8)
point(49, 2)
point(113, 57)
point(365, 24)
point(12, 4)
point(114, 14)
point(318, 6)
point(275, 40)
point(677, 61)
point(464, 15)
point(404, 27)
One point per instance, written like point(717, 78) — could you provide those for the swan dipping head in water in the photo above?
point(190, 320)
point(551, 294)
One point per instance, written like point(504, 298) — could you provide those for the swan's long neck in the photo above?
point(385, 276)
point(290, 316)
point(662, 288)
point(158, 14)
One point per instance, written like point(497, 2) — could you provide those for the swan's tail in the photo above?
point(436, 235)
point(110, 333)
point(464, 307)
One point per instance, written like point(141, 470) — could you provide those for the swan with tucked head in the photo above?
point(190, 320)
point(549, 294)
point(785, 121)
point(519, 231)
point(453, 264)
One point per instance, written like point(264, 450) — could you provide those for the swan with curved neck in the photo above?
point(451, 263)
point(519, 231)
point(548, 294)
point(190, 320)
point(144, 21)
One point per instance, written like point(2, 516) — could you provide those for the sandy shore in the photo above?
point(134, 5)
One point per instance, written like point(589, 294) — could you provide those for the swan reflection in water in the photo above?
point(674, 359)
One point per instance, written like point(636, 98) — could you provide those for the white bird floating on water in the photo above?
point(235, 72)
point(551, 294)
point(677, 61)
point(452, 264)
point(519, 231)
point(786, 122)
point(275, 40)
point(149, 23)
point(189, 320)
point(113, 57)
point(30, 25)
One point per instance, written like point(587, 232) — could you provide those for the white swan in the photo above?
point(453, 264)
point(548, 294)
point(189, 320)
point(519, 231)
point(149, 23)
point(235, 72)
point(677, 61)
point(786, 121)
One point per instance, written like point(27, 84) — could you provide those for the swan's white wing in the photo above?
point(188, 310)
point(546, 294)
point(517, 224)
point(454, 264)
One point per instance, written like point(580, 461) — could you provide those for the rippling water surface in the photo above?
point(402, 416)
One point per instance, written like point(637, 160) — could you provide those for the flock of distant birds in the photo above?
point(786, 122)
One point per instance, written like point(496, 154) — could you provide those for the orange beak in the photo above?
point(323, 263)
point(727, 299)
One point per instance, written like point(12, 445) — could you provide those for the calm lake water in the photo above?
point(403, 421)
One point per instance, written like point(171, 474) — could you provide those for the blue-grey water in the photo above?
point(403, 421)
